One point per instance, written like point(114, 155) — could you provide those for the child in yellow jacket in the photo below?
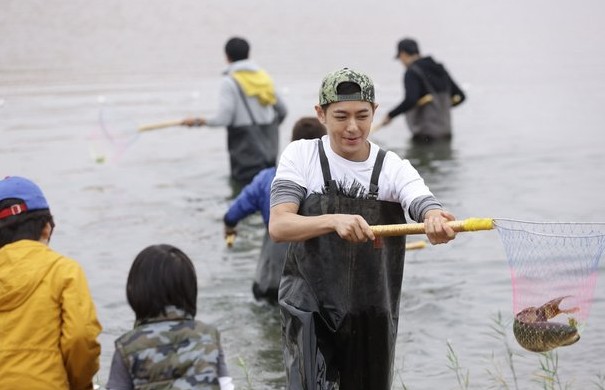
point(48, 323)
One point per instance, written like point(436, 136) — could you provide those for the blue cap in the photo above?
point(25, 190)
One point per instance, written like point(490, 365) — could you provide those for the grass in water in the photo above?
point(242, 363)
point(600, 381)
point(547, 375)
point(454, 365)
point(496, 373)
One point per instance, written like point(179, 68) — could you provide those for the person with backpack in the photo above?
point(430, 93)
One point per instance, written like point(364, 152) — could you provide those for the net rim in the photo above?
point(551, 223)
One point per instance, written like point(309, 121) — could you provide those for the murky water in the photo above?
point(528, 146)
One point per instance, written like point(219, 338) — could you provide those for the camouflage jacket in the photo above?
point(171, 352)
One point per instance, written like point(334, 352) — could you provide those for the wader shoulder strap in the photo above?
point(373, 194)
point(241, 93)
point(329, 184)
point(416, 69)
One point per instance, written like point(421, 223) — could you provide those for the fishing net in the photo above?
point(116, 130)
point(554, 269)
point(114, 134)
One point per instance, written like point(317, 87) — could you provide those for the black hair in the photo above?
point(26, 226)
point(237, 49)
point(308, 128)
point(160, 276)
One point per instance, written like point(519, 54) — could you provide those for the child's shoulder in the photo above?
point(152, 334)
point(206, 328)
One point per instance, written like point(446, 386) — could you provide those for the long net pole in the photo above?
point(466, 225)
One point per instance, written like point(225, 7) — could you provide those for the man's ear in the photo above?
point(321, 114)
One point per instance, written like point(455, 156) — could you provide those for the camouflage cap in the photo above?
point(328, 94)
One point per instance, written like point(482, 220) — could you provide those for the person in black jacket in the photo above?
point(429, 94)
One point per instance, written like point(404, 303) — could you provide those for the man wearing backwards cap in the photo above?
point(430, 92)
point(48, 324)
point(340, 287)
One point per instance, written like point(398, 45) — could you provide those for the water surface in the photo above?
point(528, 145)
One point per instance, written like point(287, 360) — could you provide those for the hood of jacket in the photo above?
point(254, 81)
point(23, 265)
point(431, 67)
point(434, 72)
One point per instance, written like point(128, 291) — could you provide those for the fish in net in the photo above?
point(554, 267)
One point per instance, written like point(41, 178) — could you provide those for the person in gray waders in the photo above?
point(340, 287)
point(251, 109)
point(430, 93)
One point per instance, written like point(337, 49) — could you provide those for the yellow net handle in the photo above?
point(160, 125)
point(229, 240)
point(415, 245)
point(466, 225)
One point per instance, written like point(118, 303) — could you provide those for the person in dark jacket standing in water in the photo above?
point(430, 92)
point(340, 287)
point(251, 109)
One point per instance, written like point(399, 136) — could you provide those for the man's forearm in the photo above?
point(290, 227)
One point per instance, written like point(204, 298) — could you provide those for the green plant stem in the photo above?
point(454, 365)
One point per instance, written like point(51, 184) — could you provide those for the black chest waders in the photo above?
point(430, 120)
point(252, 148)
point(339, 301)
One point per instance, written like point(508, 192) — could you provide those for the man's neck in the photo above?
point(411, 59)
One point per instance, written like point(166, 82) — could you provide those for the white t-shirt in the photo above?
point(398, 181)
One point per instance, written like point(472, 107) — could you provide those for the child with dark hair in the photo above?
point(49, 327)
point(255, 197)
point(167, 348)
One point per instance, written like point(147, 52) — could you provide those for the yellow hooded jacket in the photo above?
point(257, 84)
point(48, 323)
